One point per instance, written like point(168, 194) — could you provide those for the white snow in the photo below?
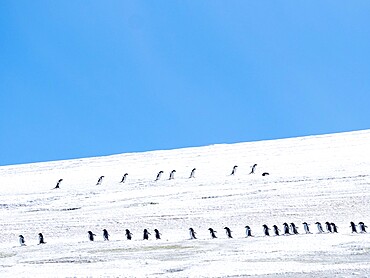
point(315, 178)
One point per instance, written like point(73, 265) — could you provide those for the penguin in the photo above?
point(362, 227)
point(212, 232)
point(228, 232)
point(248, 231)
point(265, 174)
point(41, 239)
point(253, 168)
point(328, 227)
point(334, 228)
point(319, 227)
point(146, 234)
point(192, 174)
point(192, 233)
point(157, 234)
point(276, 230)
point(306, 227)
point(294, 228)
point(58, 183)
point(234, 170)
point(159, 175)
point(128, 234)
point(91, 235)
point(124, 178)
point(286, 229)
point(266, 230)
point(22, 242)
point(172, 175)
point(105, 234)
point(353, 227)
point(100, 180)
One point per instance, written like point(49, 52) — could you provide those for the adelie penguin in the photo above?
point(159, 175)
point(353, 227)
point(319, 227)
point(334, 228)
point(22, 242)
point(248, 231)
point(266, 230)
point(192, 174)
point(91, 235)
point(265, 174)
point(253, 169)
point(192, 233)
point(157, 234)
point(328, 227)
point(306, 227)
point(146, 234)
point(124, 178)
point(294, 228)
point(228, 232)
point(276, 230)
point(100, 180)
point(172, 175)
point(234, 170)
point(362, 227)
point(212, 232)
point(128, 234)
point(41, 239)
point(286, 229)
point(58, 183)
point(105, 234)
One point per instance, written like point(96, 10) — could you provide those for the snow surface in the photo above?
point(316, 178)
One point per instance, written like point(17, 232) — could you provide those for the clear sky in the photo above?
point(91, 78)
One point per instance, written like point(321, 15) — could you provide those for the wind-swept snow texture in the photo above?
point(316, 178)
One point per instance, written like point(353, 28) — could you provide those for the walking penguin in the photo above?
point(172, 174)
point(228, 232)
point(334, 228)
point(157, 234)
point(362, 227)
point(266, 230)
point(286, 229)
point(159, 175)
point(192, 174)
point(124, 178)
point(353, 227)
point(41, 239)
point(294, 228)
point(146, 234)
point(306, 227)
point(58, 183)
point(328, 227)
point(100, 180)
point(91, 235)
point(253, 169)
point(212, 232)
point(276, 230)
point(319, 227)
point(128, 234)
point(234, 170)
point(192, 233)
point(105, 234)
point(22, 242)
point(248, 231)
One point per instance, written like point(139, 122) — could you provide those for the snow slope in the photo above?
point(316, 178)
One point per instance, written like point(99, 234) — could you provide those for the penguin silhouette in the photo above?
point(362, 227)
point(286, 229)
point(234, 170)
point(192, 233)
point(319, 227)
point(265, 174)
point(328, 227)
point(212, 232)
point(22, 242)
point(159, 175)
point(172, 175)
point(128, 234)
point(192, 174)
point(157, 234)
point(306, 227)
point(100, 180)
point(266, 230)
point(334, 228)
point(253, 169)
point(124, 178)
point(146, 234)
point(41, 239)
point(91, 235)
point(294, 228)
point(353, 227)
point(248, 231)
point(105, 234)
point(276, 230)
point(58, 183)
point(228, 232)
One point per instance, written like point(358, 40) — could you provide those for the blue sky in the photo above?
point(91, 78)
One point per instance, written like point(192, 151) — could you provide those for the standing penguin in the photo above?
point(334, 228)
point(253, 169)
point(41, 239)
point(306, 227)
point(228, 232)
point(157, 234)
point(146, 234)
point(353, 227)
point(212, 232)
point(294, 228)
point(192, 233)
point(362, 227)
point(91, 235)
point(248, 231)
point(58, 183)
point(234, 170)
point(172, 175)
point(266, 230)
point(105, 234)
point(319, 227)
point(286, 229)
point(159, 175)
point(100, 180)
point(124, 178)
point(22, 242)
point(128, 234)
point(276, 230)
point(192, 174)
point(328, 227)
